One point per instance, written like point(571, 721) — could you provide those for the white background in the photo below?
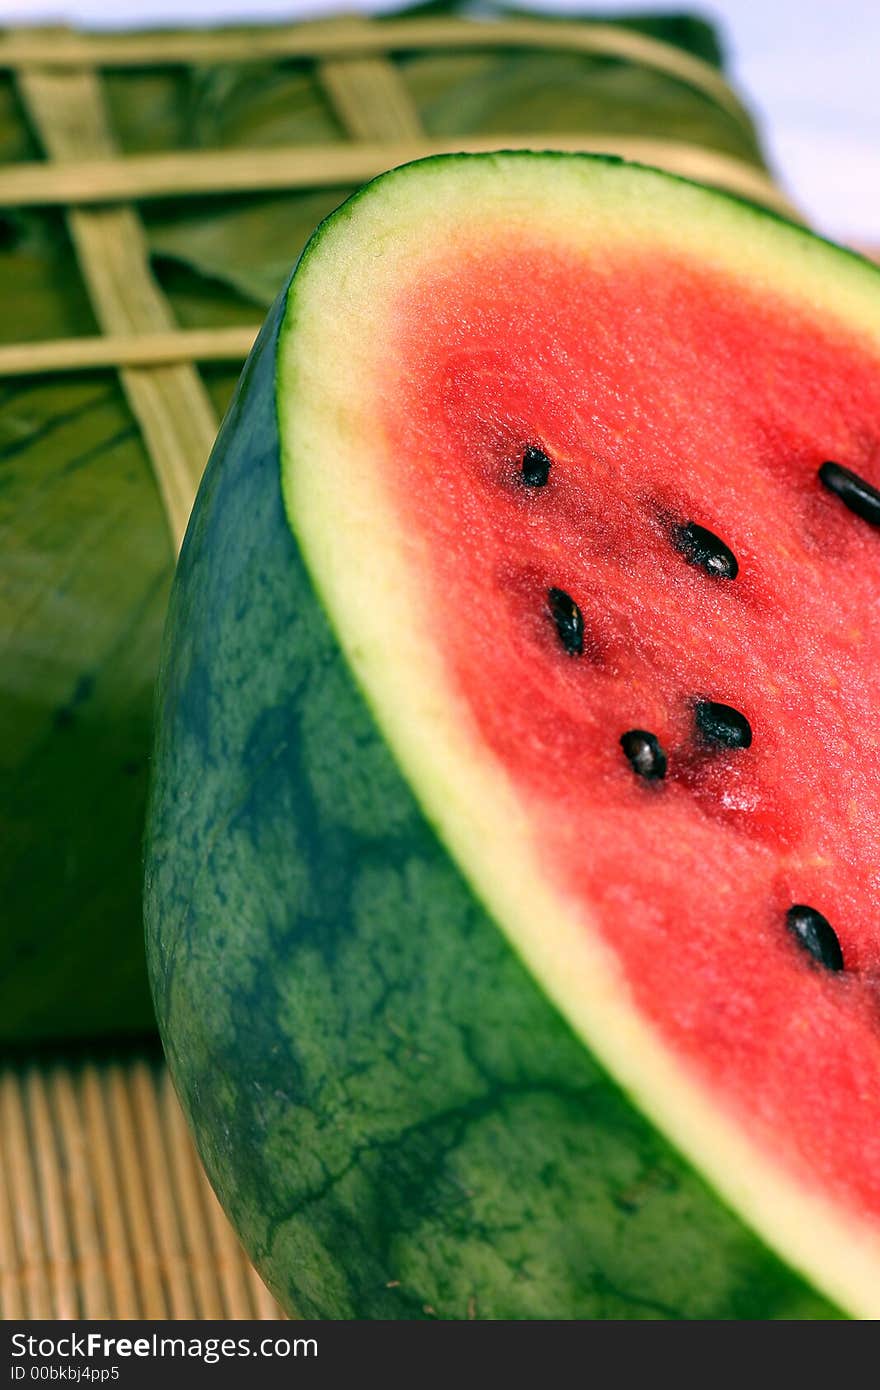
point(809, 68)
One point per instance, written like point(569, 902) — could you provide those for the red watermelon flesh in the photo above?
point(665, 392)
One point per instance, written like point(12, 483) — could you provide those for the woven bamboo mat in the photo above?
point(105, 1211)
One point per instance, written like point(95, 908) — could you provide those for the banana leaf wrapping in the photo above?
point(87, 556)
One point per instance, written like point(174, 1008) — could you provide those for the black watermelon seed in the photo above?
point(722, 724)
point(568, 619)
point(645, 754)
point(535, 467)
point(704, 548)
point(853, 491)
point(816, 934)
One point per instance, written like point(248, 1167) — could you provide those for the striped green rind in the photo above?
point(398, 1122)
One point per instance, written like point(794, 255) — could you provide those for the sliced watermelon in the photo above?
point(519, 728)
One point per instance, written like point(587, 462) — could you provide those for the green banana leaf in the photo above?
point(85, 554)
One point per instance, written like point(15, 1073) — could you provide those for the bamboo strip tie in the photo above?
point(185, 174)
point(339, 39)
point(368, 94)
point(170, 403)
point(128, 350)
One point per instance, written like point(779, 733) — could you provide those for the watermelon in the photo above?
point(86, 558)
point(511, 870)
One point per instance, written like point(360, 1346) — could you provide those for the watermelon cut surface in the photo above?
point(516, 796)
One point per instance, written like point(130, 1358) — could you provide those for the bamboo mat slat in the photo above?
point(105, 1211)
